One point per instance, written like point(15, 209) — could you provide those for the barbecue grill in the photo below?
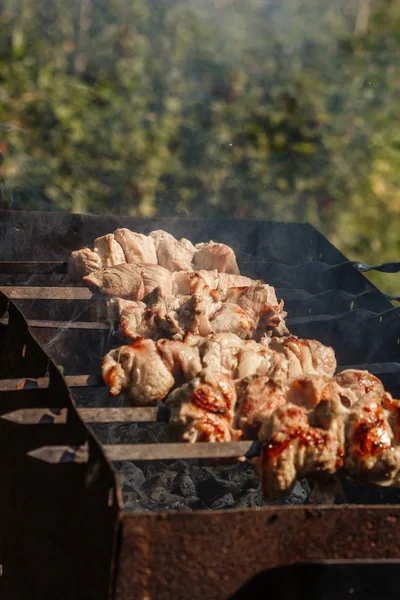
point(63, 532)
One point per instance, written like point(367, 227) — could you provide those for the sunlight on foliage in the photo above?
point(261, 109)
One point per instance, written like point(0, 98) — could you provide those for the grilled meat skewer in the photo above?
point(130, 367)
point(158, 248)
point(343, 423)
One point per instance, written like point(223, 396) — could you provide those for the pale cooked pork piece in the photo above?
point(192, 339)
point(148, 369)
point(195, 312)
point(200, 315)
point(310, 391)
point(202, 410)
point(204, 312)
point(230, 317)
point(215, 256)
point(220, 352)
point(392, 408)
point(124, 281)
point(172, 254)
point(372, 447)
point(193, 316)
point(187, 282)
point(260, 303)
point(110, 252)
point(107, 253)
point(136, 246)
point(305, 357)
point(82, 262)
point(258, 396)
point(133, 319)
point(131, 281)
point(293, 448)
point(155, 276)
point(181, 359)
point(305, 437)
point(227, 280)
point(227, 352)
point(322, 429)
point(184, 282)
point(255, 358)
point(355, 384)
point(140, 370)
point(153, 318)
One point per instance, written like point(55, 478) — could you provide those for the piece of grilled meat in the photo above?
point(147, 370)
point(203, 409)
point(342, 423)
point(159, 247)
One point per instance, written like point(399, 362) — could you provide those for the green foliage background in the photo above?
point(267, 109)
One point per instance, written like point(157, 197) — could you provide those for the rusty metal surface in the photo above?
point(326, 580)
point(211, 554)
point(57, 522)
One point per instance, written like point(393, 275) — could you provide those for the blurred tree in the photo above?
point(259, 109)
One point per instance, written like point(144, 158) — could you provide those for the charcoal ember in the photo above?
point(96, 397)
point(195, 503)
point(191, 503)
point(211, 487)
point(226, 501)
point(305, 484)
point(122, 433)
point(162, 498)
point(131, 502)
point(180, 506)
point(183, 484)
point(242, 474)
point(297, 495)
point(160, 480)
point(213, 483)
point(153, 433)
point(131, 477)
point(180, 465)
point(325, 493)
point(154, 468)
point(251, 499)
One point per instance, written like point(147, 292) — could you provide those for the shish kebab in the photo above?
point(214, 347)
point(313, 427)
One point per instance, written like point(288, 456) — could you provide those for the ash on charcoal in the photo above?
point(251, 499)
point(227, 501)
point(298, 495)
point(130, 477)
point(163, 480)
point(184, 485)
point(215, 482)
point(130, 433)
point(191, 485)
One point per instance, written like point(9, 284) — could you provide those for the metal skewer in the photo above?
point(138, 452)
